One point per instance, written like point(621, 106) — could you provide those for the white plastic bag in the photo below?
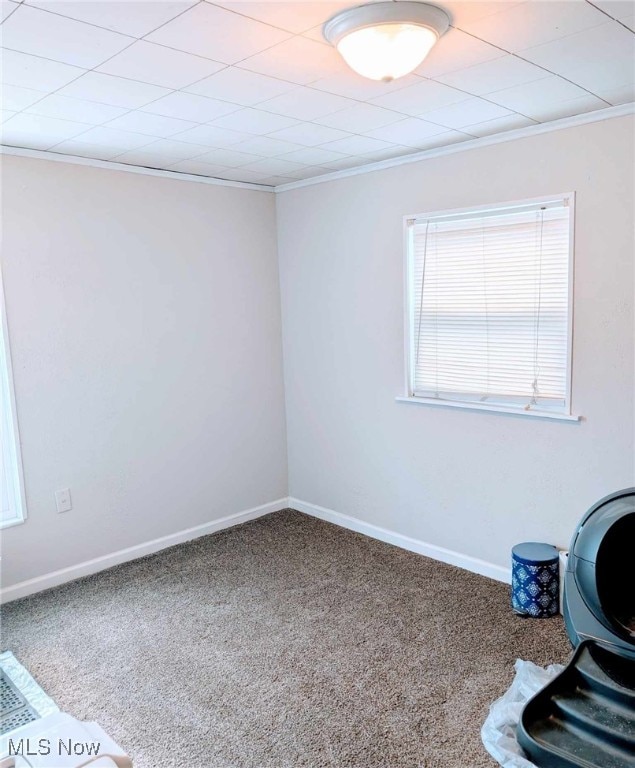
point(499, 729)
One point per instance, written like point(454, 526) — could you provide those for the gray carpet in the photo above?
point(281, 643)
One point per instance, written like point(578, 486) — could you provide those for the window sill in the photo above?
point(534, 414)
point(12, 522)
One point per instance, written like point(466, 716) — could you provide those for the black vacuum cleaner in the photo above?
point(585, 717)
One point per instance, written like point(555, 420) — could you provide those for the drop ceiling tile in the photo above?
point(537, 95)
point(230, 158)
point(148, 162)
point(322, 170)
point(423, 96)
point(30, 30)
point(310, 134)
point(218, 34)
point(533, 23)
point(7, 8)
point(597, 76)
point(254, 121)
point(86, 149)
point(582, 104)
point(313, 156)
point(311, 172)
point(306, 104)
point(617, 9)
point(145, 158)
point(266, 146)
point(499, 125)
point(622, 95)
point(360, 118)
point(411, 132)
point(24, 140)
point(179, 150)
point(457, 50)
point(199, 169)
point(629, 21)
point(299, 60)
point(276, 181)
point(188, 106)
point(16, 98)
point(212, 136)
point(27, 71)
point(350, 84)
point(240, 174)
point(598, 45)
point(493, 75)
point(465, 113)
point(79, 110)
point(150, 125)
point(277, 166)
point(130, 17)
point(348, 162)
point(116, 91)
point(597, 58)
point(444, 140)
point(38, 132)
point(464, 12)
point(292, 16)
point(394, 150)
point(357, 145)
point(240, 87)
point(5, 114)
point(159, 65)
point(315, 33)
point(111, 137)
point(301, 173)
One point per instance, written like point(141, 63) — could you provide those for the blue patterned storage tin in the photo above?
point(535, 580)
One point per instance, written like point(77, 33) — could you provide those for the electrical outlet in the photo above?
point(63, 500)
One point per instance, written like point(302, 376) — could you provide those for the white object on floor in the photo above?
point(60, 741)
point(55, 739)
point(34, 695)
point(499, 729)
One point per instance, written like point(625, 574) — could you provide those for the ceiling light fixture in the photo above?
point(386, 40)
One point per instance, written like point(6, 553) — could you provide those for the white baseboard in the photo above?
point(469, 563)
point(88, 567)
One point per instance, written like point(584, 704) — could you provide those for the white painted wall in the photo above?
point(145, 327)
point(472, 482)
point(144, 321)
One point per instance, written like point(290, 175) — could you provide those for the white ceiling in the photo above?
point(249, 91)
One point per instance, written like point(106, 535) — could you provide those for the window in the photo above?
point(489, 307)
point(12, 510)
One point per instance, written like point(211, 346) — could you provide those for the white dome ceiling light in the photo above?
point(386, 40)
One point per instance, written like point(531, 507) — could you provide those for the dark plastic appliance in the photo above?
point(585, 718)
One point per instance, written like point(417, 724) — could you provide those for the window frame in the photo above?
point(564, 414)
point(13, 438)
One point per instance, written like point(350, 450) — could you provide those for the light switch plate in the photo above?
point(63, 500)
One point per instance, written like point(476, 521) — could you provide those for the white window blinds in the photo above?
point(489, 306)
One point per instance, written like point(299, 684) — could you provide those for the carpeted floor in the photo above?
point(281, 643)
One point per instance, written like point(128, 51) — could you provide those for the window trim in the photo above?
point(409, 395)
point(14, 438)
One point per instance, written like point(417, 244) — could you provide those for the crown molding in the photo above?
point(486, 141)
point(426, 154)
point(40, 154)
